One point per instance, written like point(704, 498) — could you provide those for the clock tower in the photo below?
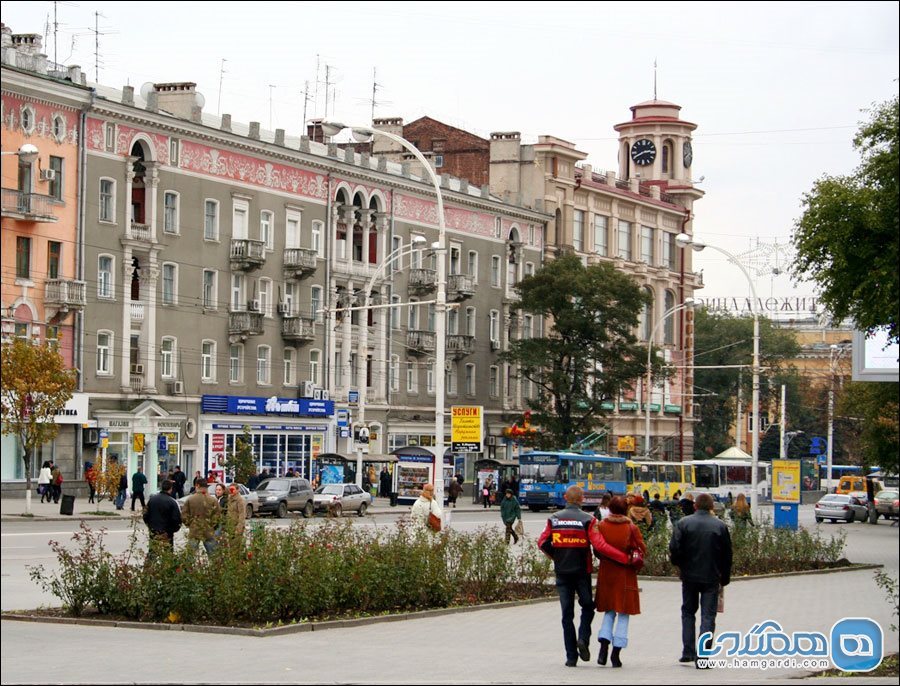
point(655, 146)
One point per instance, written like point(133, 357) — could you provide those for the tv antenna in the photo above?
point(373, 101)
point(272, 87)
point(306, 100)
point(97, 33)
point(222, 73)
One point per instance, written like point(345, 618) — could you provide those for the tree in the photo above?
point(723, 340)
point(241, 460)
point(35, 386)
point(872, 409)
point(848, 235)
point(589, 353)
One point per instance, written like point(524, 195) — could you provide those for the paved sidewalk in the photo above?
point(511, 645)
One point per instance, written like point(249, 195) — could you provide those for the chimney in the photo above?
point(279, 137)
point(314, 131)
point(27, 43)
point(178, 98)
point(225, 125)
point(506, 160)
point(254, 130)
point(128, 95)
point(385, 146)
point(153, 101)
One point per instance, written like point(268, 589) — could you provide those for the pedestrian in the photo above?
point(453, 491)
point(701, 549)
point(162, 515)
point(385, 481)
point(617, 588)
point(423, 508)
point(740, 510)
point(510, 513)
point(235, 513)
point(201, 515)
point(90, 476)
point(122, 493)
point(686, 504)
point(602, 511)
point(487, 492)
point(514, 486)
point(44, 479)
point(459, 478)
point(657, 507)
point(566, 540)
point(138, 481)
point(639, 514)
point(179, 478)
point(56, 482)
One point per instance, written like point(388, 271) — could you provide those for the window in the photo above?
point(527, 326)
point(395, 311)
point(290, 367)
point(470, 379)
point(169, 284)
point(470, 321)
point(211, 220)
point(669, 252)
point(666, 156)
point(647, 317)
point(59, 128)
point(412, 322)
point(235, 363)
point(495, 382)
point(455, 260)
point(292, 230)
point(109, 131)
point(266, 229)
point(54, 255)
point(318, 230)
point(495, 271)
point(55, 187)
point(451, 376)
point(263, 365)
point(431, 311)
point(438, 161)
point(495, 326)
point(429, 377)
point(237, 293)
point(105, 272)
point(395, 373)
point(472, 267)
point(670, 320)
point(316, 303)
point(412, 377)
point(23, 257)
point(239, 220)
point(578, 230)
point(624, 240)
point(647, 244)
point(170, 212)
point(210, 280)
point(167, 362)
point(107, 200)
point(27, 119)
point(453, 321)
point(208, 361)
point(104, 350)
point(290, 298)
point(265, 297)
point(174, 149)
point(529, 269)
point(601, 235)
point(315, 359)
point(396, 262)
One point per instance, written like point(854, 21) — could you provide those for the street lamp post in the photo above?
point(361, 133)
point(684, 240)
point(688, 303)
point(28, 153)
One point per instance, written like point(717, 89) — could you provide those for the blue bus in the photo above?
point(545, 476)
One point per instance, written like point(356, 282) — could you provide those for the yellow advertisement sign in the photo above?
point(466, 428)
point(626, 444)
point(785, 481)
point(138, 443)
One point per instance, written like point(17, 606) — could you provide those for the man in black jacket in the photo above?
point(162, 515)
point(179, 478)
point(701, 549)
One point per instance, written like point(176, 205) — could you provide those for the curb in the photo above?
point(20, 616)
point(859, 567)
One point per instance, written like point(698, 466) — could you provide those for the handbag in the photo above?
point(637, 557)
point(434, 522)
point(519, 527)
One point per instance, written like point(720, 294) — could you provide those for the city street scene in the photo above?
point(473, 343)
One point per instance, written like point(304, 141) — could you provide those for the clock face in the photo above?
point(688, 154)
point(643, 152)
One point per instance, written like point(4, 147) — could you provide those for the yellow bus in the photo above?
point(647, 478)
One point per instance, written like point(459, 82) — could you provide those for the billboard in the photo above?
point(874, 359)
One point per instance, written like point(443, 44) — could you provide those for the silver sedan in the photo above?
point(839, 507)
point(335, 498)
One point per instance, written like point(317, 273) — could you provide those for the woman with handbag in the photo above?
point(617, 589)
point(426, 514)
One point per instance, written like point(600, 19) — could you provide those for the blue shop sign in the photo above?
point(235, 404)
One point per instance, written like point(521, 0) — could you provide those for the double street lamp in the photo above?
point(684, 240)
point(363, 133)
point(688, 303)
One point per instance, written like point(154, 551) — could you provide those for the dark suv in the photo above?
point(283, 494)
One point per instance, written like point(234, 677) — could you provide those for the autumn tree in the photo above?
point(35, 386)
point(874, 413)
point(241, 461)
point(847, 239)
point(588, 353)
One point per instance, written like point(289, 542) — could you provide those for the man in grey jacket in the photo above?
point(701, 549)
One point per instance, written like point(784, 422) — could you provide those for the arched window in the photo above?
point(667, 156)
point(670, 320)
point(647, 317)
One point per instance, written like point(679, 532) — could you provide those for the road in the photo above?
point(25, 544)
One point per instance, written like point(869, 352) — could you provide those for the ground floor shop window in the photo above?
point(13, 467)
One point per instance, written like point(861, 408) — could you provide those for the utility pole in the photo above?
point(222, 73)
point(327, 86)
point(738, 430)
point(305, 103)
point(783, 451)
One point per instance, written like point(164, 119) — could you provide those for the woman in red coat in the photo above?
point(617, 588)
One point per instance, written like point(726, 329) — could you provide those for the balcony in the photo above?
point(245, 324)
point(137, 383)
point(65, 294)
point(300, 329)
point(137, 311)
point(420, 342)
point(247, 254)
point(354, 268)
point(299, 262)
point(29, 207)
point(458, 345)
point(422, 280)
point(138, 232)
point(460, 287)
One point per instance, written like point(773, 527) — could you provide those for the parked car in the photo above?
point(841, 507)
point(252, 504)
point(284, 494)
point(886, 504)
point(336, 498)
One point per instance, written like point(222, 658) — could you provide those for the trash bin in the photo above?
point(67, 505)
point(393, 500)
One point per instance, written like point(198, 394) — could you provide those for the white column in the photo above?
point(125, 358)
point(148, 286)
point(151, 183)
point(346, 343)
point(129, 184)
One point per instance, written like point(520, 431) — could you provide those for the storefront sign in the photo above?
point(138, 443)
point(217, 448)
point(466, 428)
point(75, 411)
point(785, 481)
point(789, 304)
point(626, 444)
point(269, 427)
point(233, 404)
point(627, 407)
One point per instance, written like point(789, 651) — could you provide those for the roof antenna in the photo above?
point(654, 79)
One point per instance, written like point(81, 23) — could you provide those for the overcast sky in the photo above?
point(777, 89)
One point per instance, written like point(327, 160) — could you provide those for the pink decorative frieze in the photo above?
point(125, 137)
point(94, 134)
point(425, 212)
point(205, 160)
point(43, 115)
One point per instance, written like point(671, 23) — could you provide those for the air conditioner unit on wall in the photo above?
point(307, 389)
point(284, 308)
point(317, 394)
point(326, 395)
point(90, 437)
point(253, 305)
point(495, 344)
point(48, 174)
point(491, 440)
point(137, 369)
point(177, 388)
